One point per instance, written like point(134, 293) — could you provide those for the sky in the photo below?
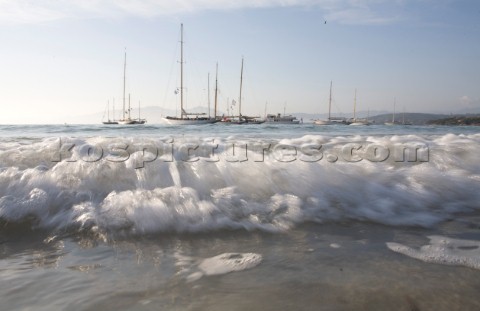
point(65, 58)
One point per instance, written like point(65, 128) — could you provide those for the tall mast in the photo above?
point(113, 111)
point(208, 94)
point(138, 110)
point(108, 111)
point(124, 73)
point(129, 110)
point(228, 106)
point(181, 71)
point(240, 98)
point(216, 92)
point(355, 106)
point(330, 101)
point(393, 116)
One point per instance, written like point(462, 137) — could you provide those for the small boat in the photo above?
point(253, 120)
point(187, 118)
point(281, 119)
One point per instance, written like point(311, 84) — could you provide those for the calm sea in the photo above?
point(239, 217)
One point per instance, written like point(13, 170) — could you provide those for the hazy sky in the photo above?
point(65, 57)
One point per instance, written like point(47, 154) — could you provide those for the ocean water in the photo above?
point(236, 217)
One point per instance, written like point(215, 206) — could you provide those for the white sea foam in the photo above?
point(443, 250)
point(199, 189)
point(195, 268)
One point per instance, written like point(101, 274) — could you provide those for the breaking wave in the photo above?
point(138, 186)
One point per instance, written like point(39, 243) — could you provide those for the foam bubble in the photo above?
point(443, 250)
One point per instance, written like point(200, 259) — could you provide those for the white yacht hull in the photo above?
point(126, 122)
point(189, 121)
point(359, 123)
point(323, 122)
point(283, 122)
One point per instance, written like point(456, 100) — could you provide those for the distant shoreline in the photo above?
point(473, 121)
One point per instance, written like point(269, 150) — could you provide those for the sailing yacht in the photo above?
point(237, 119)
point(327, 121)
point(354, 120)
point(217, 118)
point(108, 115)
point(185, 117)
point(241, 119)
point(126, 120)
point(331, 120)
point(139, 120)
point(126, 116)
point(393, 115)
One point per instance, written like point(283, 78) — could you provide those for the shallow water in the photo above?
point(82, 232)
point(343, 266)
